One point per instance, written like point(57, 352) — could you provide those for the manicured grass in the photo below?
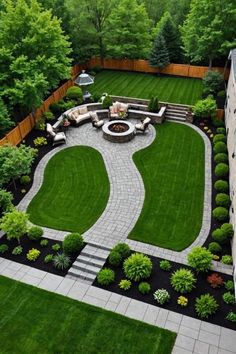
point(36, 321)
point(172, 169)
point(139, 85)
point(74, 193)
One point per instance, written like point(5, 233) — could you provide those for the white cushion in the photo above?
point(139, 126)
point(59, 136)
point(82, 117)
point(83, 110)
point(50, 130)
point(147, 120)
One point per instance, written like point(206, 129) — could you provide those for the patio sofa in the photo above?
point(78, 116)
point(118, 110)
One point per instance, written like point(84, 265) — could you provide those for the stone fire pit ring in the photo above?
point(118, 137)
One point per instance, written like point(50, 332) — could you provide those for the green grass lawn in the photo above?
point(139, 85)
point(36, 321)
point(172, 169)
point(74, 193)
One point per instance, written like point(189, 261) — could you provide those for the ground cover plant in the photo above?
point(173, 203)
point(34, 320)
point(74, 193)
point(131, 84)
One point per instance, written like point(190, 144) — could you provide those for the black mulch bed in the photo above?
point(161, 279)
point(39, 263)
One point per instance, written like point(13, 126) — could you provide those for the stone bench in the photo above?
point(156, 118)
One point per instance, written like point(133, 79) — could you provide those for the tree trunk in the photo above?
point(14, 183)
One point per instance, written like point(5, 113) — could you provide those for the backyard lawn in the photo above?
point(172, 169)
point(139, 85)
point(36, 321)
point(74, 193)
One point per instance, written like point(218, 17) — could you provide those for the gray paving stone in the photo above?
point(228, 339)
point(94, 301)
point(209, 327)
point(36, 273)
point(50, 282)
point(29, 279)
point(175, 317)
point(78, 290)
point(201, 347)
point(162, 317)
point(178, 350)
point(123, 305)
point(185, 342)
point(65, 286)
point(7, 272)
point(188, 332)
point(208, 337)
point(111, 306)
point(151, 314)
point(191, 322)
point(172, 326)
point(213, 349)
point(99, 293)
point(136, 309)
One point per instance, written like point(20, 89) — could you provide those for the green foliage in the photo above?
point(221, 170)
point(33, 254)
point(56, 108)
point(125, 284)
point(231, 316)
point(35, 233)
point(5, 122)
point(223, 200)
point(48, 115)
point(220, 213)
point(107, 102)
point(217, 122)
point(5, 200)
point(144, 288)
point(40, 141)
point(17, 250)
point(221, 157)
point(3, 248)
point(227, 259)
point(183, 280)
point(153, 105)
point(33, 61)
point(221, 130)
point(165, 265)
point(159, 57)
point(115, 258)
point(219, 236)
point(229, 298)
point(61, 261)
point(56, 247)
point(25, 179)
point(221, 94)
point(15, 162)
point(220, 147)
point(44, 243)
point(72, 243)
point(213, 81)
point(106, 276)
point(200, 259)
point(123, 249)
point(48, 258)
point(221, 186)
point(75, 93)
point(40, 124)
point(14, 223)
point(206, 305)
point(205, 108)
point(214, 247)
point(219, 137)
point(137, 267)
point(161, 296)
point(229, 285)
point(227, 229)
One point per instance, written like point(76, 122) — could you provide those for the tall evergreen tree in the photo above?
point(159, 57)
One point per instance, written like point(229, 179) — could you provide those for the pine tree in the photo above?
point(159, 57)
point(172, 38)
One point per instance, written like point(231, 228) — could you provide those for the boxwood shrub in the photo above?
point(138, 267)
point(206, 305)
point(183, 280)
point(220, 213)
point(123, 249)
point(221, 186)
point(200, 259)
point(221, 130)
point(221, 170)
point(221, 157)
point(227, 229)
point(222, 199)
point(115, 258)
point(220, 147)
point(72, 243)
point(106, 276)
point(219, 137)
point(219, 236)
point(35, 233)
point(215, 247)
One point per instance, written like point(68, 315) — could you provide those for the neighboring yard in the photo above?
point(172, 169)
point(74, 193)
point(36, 321)
point(166, 88)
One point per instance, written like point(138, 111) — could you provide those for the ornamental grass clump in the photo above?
point(161, 296)
point(61, 261)
point(138, 267)
point(106, 276)
point(229, 298)
point(165, 265)
point(125, 284)
point(206, 305)
point(231, 316)
point(229, 285)
point(183, 280)
point(200, 259)
point(3, 248)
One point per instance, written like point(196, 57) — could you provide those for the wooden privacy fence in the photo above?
point(16, 135)
point(143, 66)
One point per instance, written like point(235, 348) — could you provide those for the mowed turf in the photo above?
point(139, 85)
point(172, 169)
point(74, 193)
point(36, 321)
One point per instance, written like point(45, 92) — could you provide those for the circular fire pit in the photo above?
point(118, 131)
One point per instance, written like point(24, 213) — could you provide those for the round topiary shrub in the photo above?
point(221, 130)
point(222, 199)
point(144, 288)
point(183, 280)
point(115, 258)
point(220, 147)
point(137, 267)
point(221, 157)
point(227, 229)
point(221, 186)
point(25, 179)
point(72, 243)
point(219, 137)
point(35, 233)
point(75, 93)
point(123, 249)
point(214, 247)
point(219, 236)
point(205, 305)
point(106, 276)
point(220, 213)
point(221, 170)
point(200, 259)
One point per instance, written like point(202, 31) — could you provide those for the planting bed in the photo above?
point(27, 245)
point(161, 279)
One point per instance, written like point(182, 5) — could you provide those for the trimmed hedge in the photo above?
point(219, 236)
point(220, 213)
point(221, 185)
point(221, 170)
point(222, 199)
point(221, 157)
point(219, 137)
point(215, 247)
point(220, 147)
